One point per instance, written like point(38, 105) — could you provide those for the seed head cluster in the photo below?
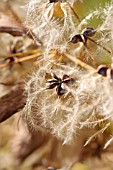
point(64, 98)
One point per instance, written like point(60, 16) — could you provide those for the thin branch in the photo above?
point(21, 54)
point(79, 62)
point(31, 57)
point(77, 17)
point(16, 31)
point(104, 48)
point(12, 102)
point(7, 83)
point(13, 31)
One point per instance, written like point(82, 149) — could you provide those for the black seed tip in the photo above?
point(60, 91)
point(54, 1)
point(53, 85)
point(89, 32)
point(76, 38)
point(102, 69)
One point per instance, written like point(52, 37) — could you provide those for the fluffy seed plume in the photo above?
point(60, 106)
point(84, 100)
point(53, 32)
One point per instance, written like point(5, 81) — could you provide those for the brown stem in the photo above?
point(16, 31)
point(21, 54)
point(12, 102)
point(13, 31)
point(31, 57)
point(74, 12)
point(104, 48)
point(79, 62)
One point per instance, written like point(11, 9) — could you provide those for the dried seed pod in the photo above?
point(76, 38)
point(67, 79)
point(88, 32)
point(60, 91)
point(54, 1)
point(58, 82)
point(102, 69)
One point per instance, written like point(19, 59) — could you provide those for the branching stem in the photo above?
point(79, 62)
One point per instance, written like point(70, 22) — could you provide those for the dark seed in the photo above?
point(51, 1)
point(89, 32)
point(54, 1)
point(67, 79)
point(52, 81)
point(102, 69)
point(51, 86)
point(76, 38)
point(60, 91)
point(54, 76)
